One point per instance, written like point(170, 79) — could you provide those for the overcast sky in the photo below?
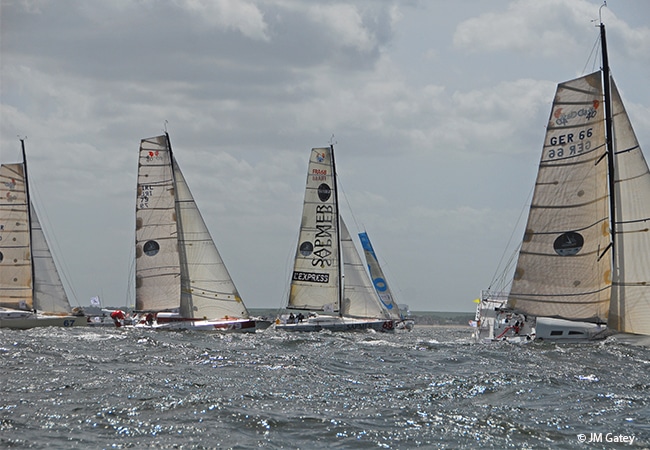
point(437, 109)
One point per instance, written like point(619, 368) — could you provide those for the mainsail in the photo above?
point(16, 273)
point(178, 266)
point(563, 268)
point(316, 283)
point(378, 279)
point(29, 279)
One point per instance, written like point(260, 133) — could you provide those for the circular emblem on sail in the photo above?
point(569, 244)
point(306, 248)
point(380, 284)
point(151, 248)
point(324, 192)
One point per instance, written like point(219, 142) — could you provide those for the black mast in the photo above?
point(338, 232)
point(29, 220)
point(185, 310)
point(609, 135)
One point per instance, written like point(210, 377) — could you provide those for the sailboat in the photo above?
point(31, 291)
point(181, 282)
point(380, 283)
point(583, 270)
point(329, 281)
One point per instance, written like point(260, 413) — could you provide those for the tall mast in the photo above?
point(609, 136)
point(338, 234)
point(185, 309)
point(29, 222)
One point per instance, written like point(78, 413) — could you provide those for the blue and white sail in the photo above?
point(378, 279)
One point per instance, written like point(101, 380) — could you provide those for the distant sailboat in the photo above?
point(584, 262)
point(329, 281)
point(31, 291)
point(181, 280)
point(380, 283)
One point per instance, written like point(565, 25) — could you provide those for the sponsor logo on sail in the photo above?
point(568, 244)
point(311, 277)
point(562, 118)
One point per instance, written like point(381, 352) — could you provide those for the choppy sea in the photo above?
point(432, 387)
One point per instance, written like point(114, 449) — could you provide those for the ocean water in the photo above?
point(429, 388)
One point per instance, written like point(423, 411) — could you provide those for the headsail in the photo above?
point(209, 290)
point(49, 295)
point(315, 282)
point(563, 268)
point(630, 306)
point(359, 297)
point(378, 278)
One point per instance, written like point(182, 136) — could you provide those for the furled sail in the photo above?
point(16, 273)
point(315, 282)
point(563, 269)
point(207, 288)
point(630, 306)
point(359, 297)
point(378, 278)
point(157, 264)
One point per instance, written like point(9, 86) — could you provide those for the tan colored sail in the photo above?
point(563, 268)
point(16, 273)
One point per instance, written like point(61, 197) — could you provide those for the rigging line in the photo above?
point(347, 201)
point(500, 272)
point(592, 56)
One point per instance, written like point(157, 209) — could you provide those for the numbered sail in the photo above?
point(207, 288)
point(630, 306)
point(15, 258)
point(378, 279)
point(315, 282)
point(157, 264)
point(563, 269)
point(359, 297)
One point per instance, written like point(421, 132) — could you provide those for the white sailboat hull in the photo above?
point(23, 320)
point(335, 323)
point(560, 330)
point(175, 322)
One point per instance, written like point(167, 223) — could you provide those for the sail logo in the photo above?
point(319, 174)
point(10, 184)
point(568, 244)
point(311, 277)
point(562, 118)
point(320, 157)
point(153, 155)
point(322, 247)
point(11, 197)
